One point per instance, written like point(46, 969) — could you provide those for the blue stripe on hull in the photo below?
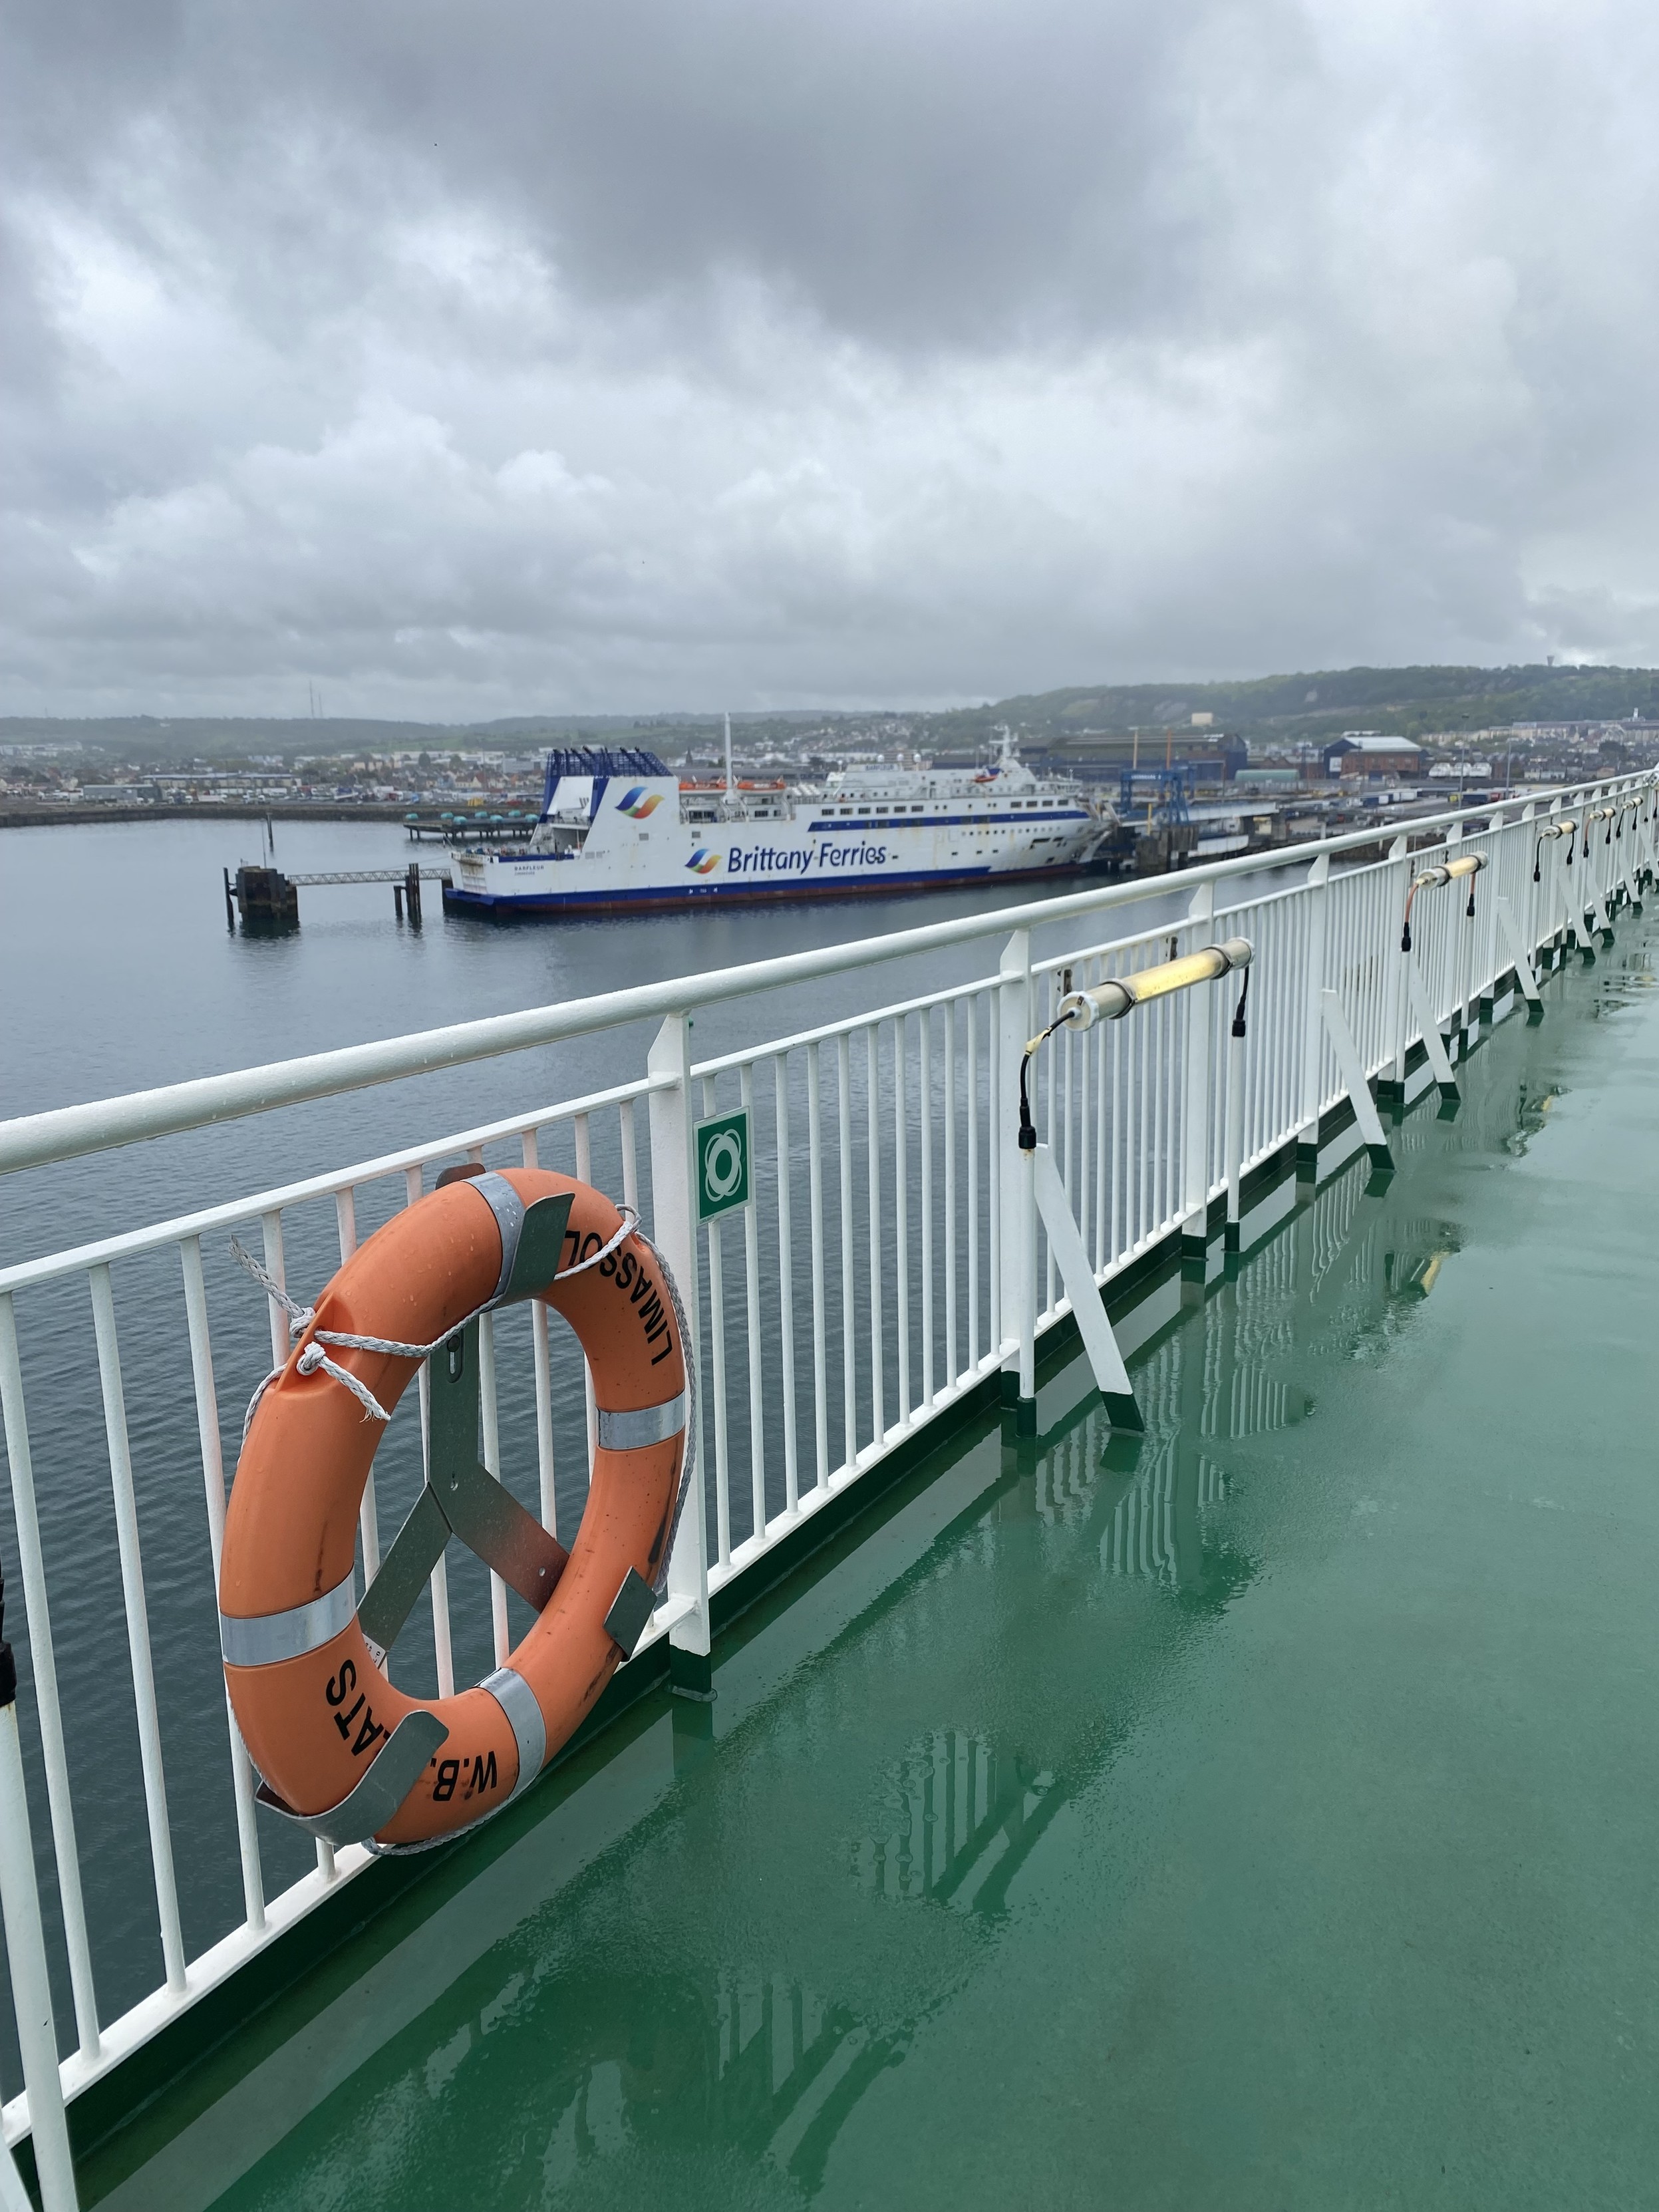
point(833, 825)
point(735, 894)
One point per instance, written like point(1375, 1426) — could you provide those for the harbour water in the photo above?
point(1259, 1815)
point(121, 974)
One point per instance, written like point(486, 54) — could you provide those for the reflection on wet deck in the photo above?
point(781, 2067)
point(967, 1819)
point(769, 2067)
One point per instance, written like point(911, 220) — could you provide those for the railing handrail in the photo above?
point(64, 1133)
point(155, 1236)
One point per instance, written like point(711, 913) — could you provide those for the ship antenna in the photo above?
point(730, 787)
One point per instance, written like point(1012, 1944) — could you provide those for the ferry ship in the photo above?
point(618, 830)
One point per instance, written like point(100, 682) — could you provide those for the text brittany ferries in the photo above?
point(617, 830)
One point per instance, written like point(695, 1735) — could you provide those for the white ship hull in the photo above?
point(610, 841)
point(808, 857)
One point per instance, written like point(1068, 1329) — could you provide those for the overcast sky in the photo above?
point(486, 359)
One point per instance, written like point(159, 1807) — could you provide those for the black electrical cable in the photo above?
point(8, 1664)
point(1406, 933)
point(1028, 1135)
point(1238, 1010)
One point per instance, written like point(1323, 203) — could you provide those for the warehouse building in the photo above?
point(1367, 755)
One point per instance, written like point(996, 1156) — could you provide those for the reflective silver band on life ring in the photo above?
point(518, 1701)
point(508, 1208)
point(649, 1424)
point(271, 1636)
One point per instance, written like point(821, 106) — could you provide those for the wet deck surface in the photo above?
point(1261, 1817)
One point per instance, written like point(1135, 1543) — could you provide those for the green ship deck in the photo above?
point(1259, 1813)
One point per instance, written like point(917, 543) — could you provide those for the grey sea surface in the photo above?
point(119, 973)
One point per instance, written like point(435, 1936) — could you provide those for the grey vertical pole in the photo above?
point(26, 1947)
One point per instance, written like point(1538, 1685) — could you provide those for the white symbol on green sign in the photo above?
point(722, 1164)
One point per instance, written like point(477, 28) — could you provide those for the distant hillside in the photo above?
point(1270, 709)
point(1322, 702)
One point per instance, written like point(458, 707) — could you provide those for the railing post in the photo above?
point(1195, 1118)
point(1562, 929)
point(1399, 855)
point(1600, 919)
point(1583, 900)
point(1234, 1091)
point(25, 1948)
point(1487, 983)
point(1313, 1017)
point(1525, 910)
point(1618, 889)
point(1565, 937)
point(674, 1227)
point(47, 1707)
point(1018, 1225)
point(1459, 957)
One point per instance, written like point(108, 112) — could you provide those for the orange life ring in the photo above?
point(340, 1749)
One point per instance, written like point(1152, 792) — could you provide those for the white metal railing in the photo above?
point(888, 1265)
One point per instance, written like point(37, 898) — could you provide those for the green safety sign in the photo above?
point(723, 1153)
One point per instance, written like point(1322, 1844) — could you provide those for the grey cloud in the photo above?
point(917, 172)
point(474, 362)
